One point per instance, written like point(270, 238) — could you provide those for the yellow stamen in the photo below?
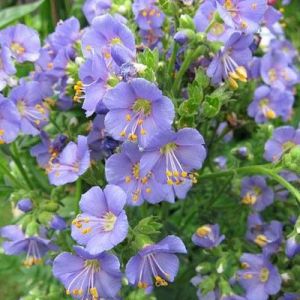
point(160, 281)
point(261, 240)
point(203, 231)
point(86, 230)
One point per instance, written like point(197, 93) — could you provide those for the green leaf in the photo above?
point(14, 13)
point(211, 106)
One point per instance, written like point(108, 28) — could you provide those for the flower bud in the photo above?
point(25, 205)
point(58, 223)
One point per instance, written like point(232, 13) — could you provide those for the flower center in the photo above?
point(136, 171)
point(17, 48)
point(21, 107)
point(109, 221)
point(261, 240)
point(264, 275)
point(203, 231)
point(94, 264)
point(116, 41)
point(217, 29)
point(143, 106)
point(168, 148)
point(288, 146)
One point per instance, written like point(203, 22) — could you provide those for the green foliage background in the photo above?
point(211, 201)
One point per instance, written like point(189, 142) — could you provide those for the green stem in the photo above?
point(15, 157)
point(259, 169)
point(10, 175)
point(189, 58)
point(78, 194)
point(172, 60)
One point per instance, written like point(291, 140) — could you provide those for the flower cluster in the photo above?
point(153, 102)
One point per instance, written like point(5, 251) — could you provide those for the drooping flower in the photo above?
point(123, 169)
point(88, 276)
point(22, 41)
point(100, 144)
point(9, 121)
point(93, 83)
point(95, 8)
point(7, 67)
point(103, 222)
point(266, 236)
point(137, 110)
point(290, 296)
point(256, 193)
point(258, 277)
point(47, 151)
point(208, 236)
point(270, 103)
point(155, 264)
point(66, 34)
point(284, 138)
point(230, 62)
point(172, 158)
point(244, 15)
point(28, 99)
point(276, 71)
point(147, 15)
point(58, 223)
point(72, 162)
point(25, 205)
point(105, 32)
point(292, 247)
point(35, 247)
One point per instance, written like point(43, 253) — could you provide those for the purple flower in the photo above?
point(290, 296)
point(25, 205)
point(9, 121)
point(103, 223)
point(95, 8)
point(147, 14)
point(105, 32)
point(28, 99)
point(155, 262)
point(94, 76)
point(35, 246)
point(271, 17)
point(259, 277)
point(123, 169)
point(99, 143)
point(230, 62)
point(47, 151)
point(151, 38)
point(86, 276)
point(292, 247)
point(138, 109)
point(208, 236)
point(269, 103)
point(58, 223)
point(221, 162)
point(22, 41)
point(203, 18)
point(7, 67)
point(172, 157)
point(66, 34)
point(244, 15)
point(285, 48)
point(276, 72)
point(72, 162)
point(256, 193)
point(284, 138)
point(266, 236)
